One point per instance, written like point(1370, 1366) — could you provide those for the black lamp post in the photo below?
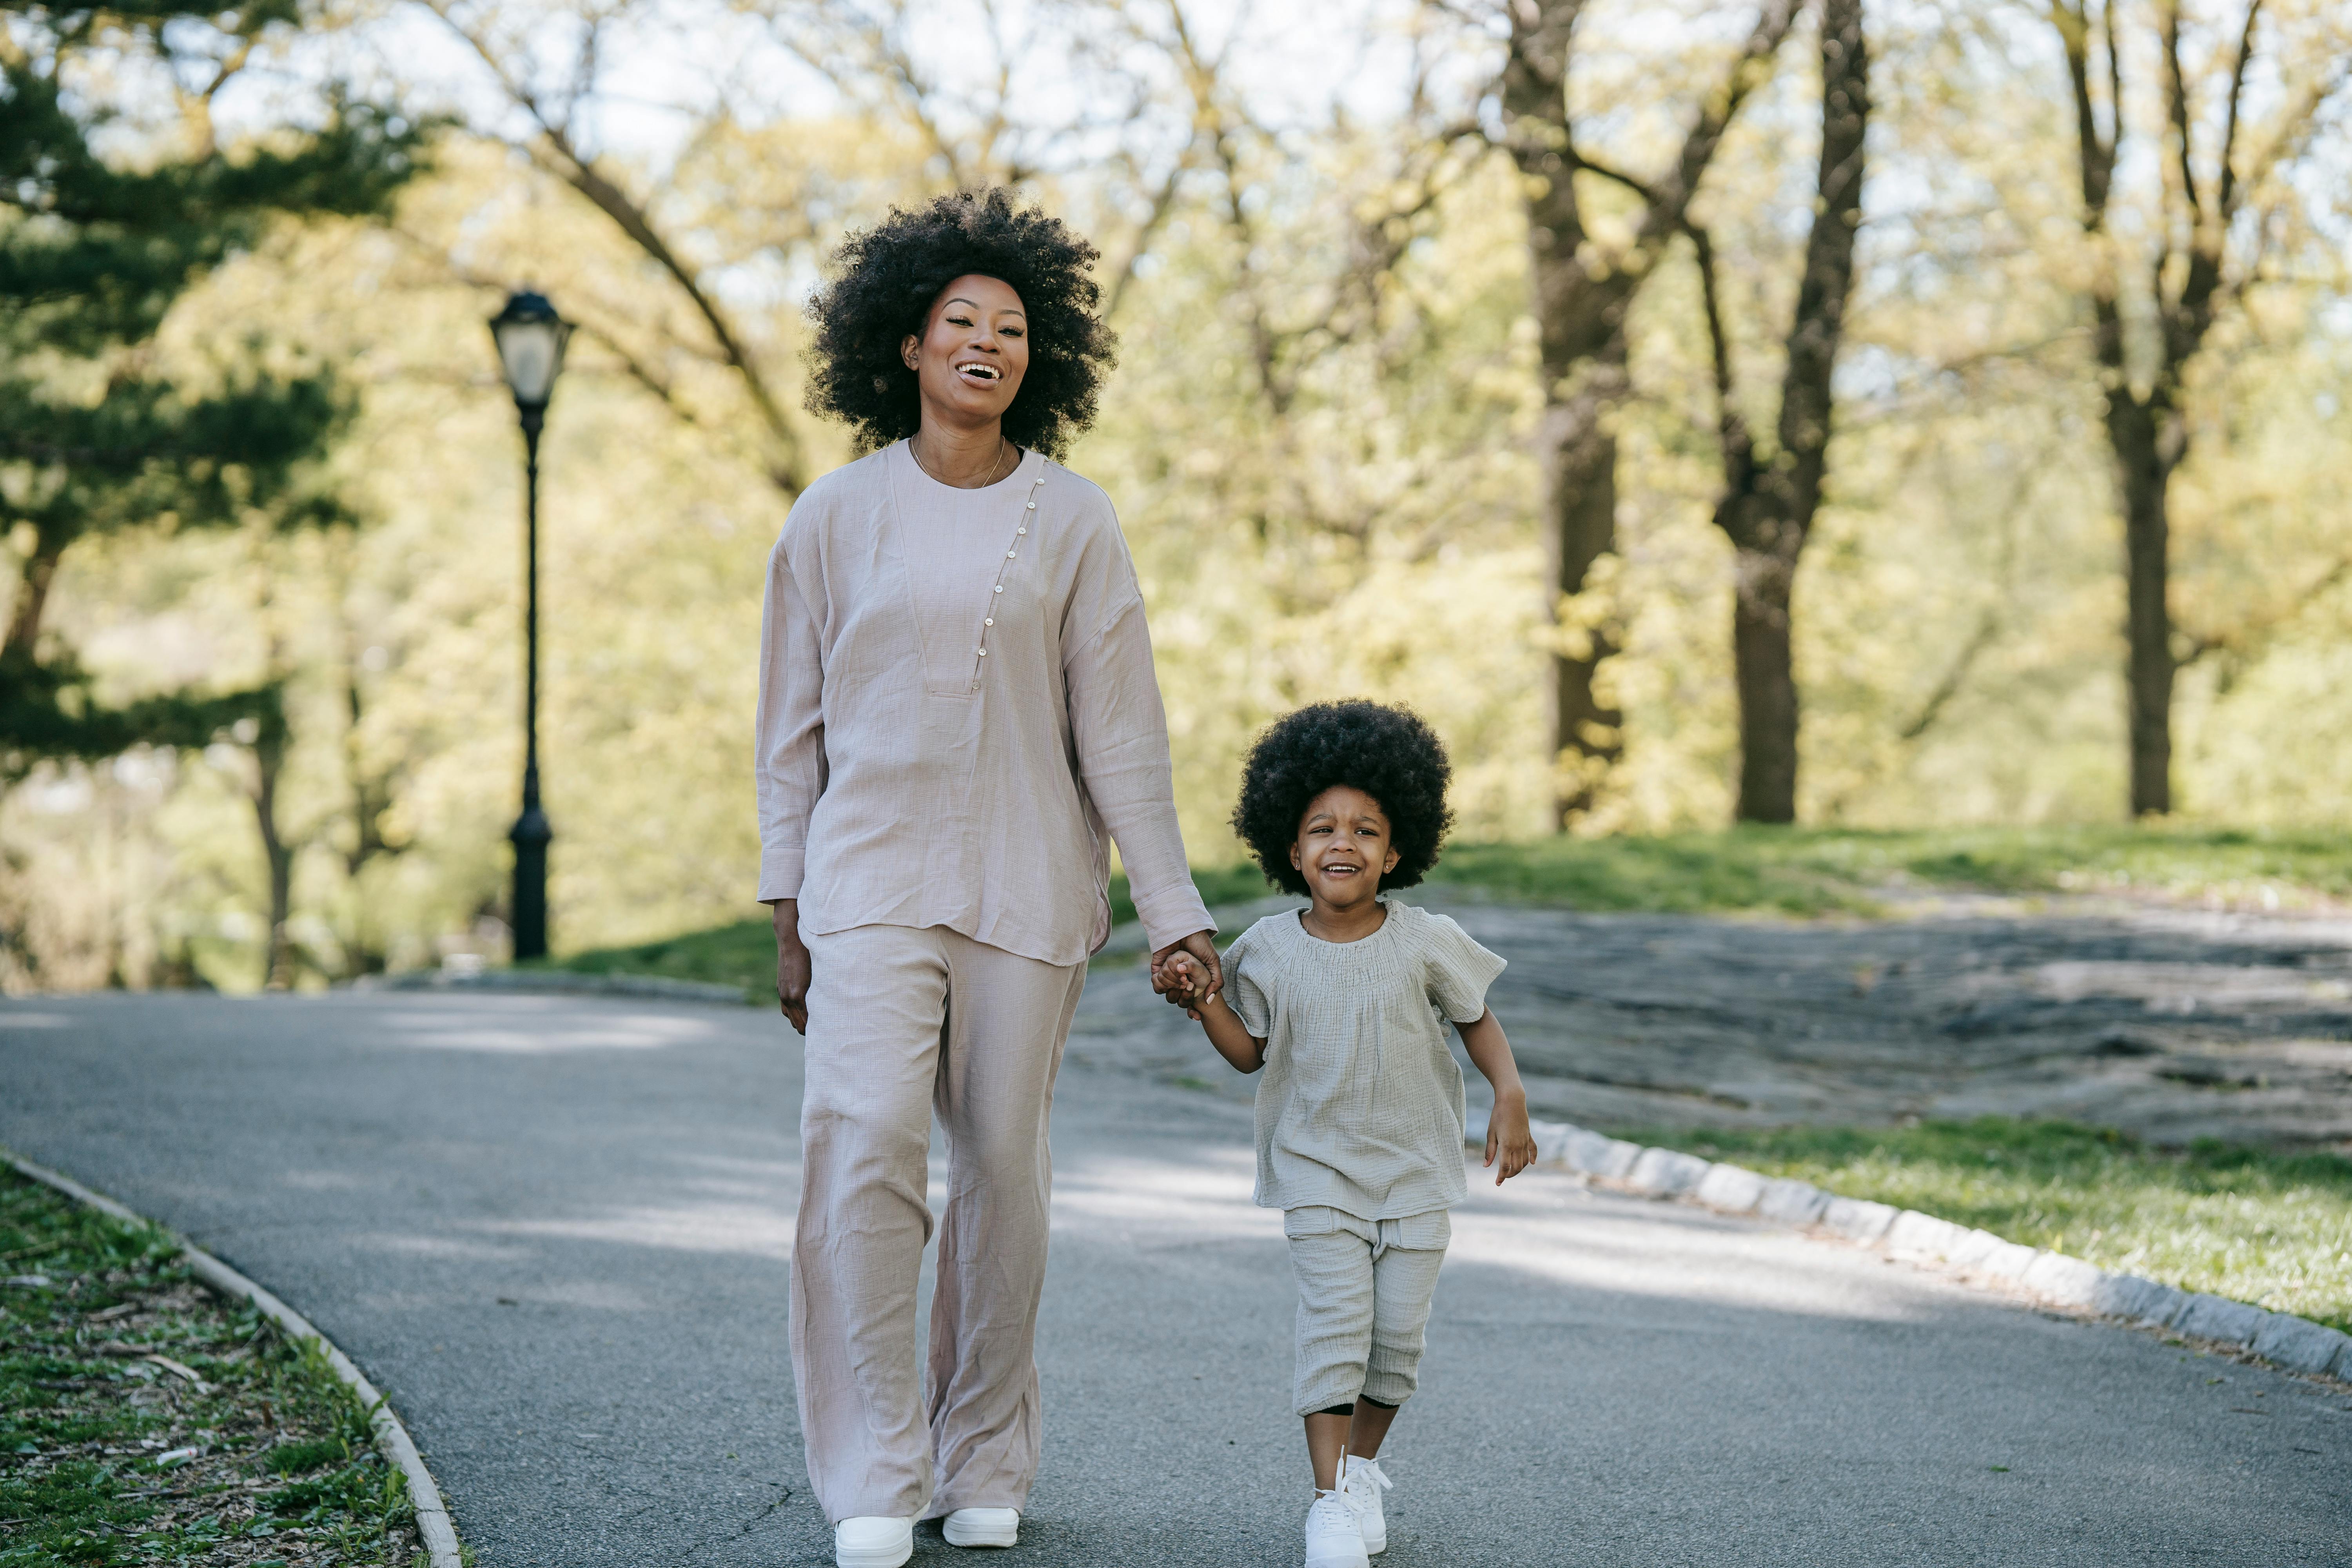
point(530, 338)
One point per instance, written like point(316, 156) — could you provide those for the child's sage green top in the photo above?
point(1360, 1107)
point(956, 701)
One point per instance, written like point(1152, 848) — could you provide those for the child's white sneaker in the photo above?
point(1361, 1484)
point(983, 1527)
point(1334, 1538)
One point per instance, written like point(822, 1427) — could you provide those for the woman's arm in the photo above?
point(788, 748)
point(788, 768)
point(1118, 730)
point(1508, 1136)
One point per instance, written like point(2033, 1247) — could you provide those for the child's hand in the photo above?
point(1185, 981)
point(1508, 1137)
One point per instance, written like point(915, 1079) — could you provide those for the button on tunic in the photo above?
point(956, 701)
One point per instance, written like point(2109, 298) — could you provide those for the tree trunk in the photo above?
point(33, 594)
point(1769, 503)
point(1767, 685)
point(1580, 298)
point(270, 761)
point(2144, 476)
point(1582, 501)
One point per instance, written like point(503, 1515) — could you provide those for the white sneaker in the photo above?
point(1334, 1539)
point(873, 1541)
point(984, 1527)
point(1363, 1485)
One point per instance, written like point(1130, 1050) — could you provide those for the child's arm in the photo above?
point(1507, 1134)
point(1189, 988)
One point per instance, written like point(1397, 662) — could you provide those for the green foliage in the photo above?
point(293, 1458)
point(110, 1458)
point(95, 250)
point(1218, 885)
point(2254, 1224)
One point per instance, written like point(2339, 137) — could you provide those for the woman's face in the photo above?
point(972, 354)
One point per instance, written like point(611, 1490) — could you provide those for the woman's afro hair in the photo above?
point(1388, 752)
point(884, 285)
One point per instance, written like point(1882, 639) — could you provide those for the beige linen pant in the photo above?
point(903, 1022)
point(1364, 1290)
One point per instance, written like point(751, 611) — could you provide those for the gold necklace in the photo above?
point(994, 473)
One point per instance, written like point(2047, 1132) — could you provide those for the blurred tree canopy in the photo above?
point(1380, 274)
point(94, 251)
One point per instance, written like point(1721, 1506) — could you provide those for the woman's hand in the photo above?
point(791, 964)
point(1185, 982)
point(1164, 979)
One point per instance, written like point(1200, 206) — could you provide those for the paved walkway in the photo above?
point(557, 1231)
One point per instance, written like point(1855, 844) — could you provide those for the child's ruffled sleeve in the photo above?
point(1459, 970)
point(1245, 976)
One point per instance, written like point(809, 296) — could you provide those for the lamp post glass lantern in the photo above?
point(530, 338)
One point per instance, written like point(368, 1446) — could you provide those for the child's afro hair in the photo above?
point(882, 290)
point(1388, 752)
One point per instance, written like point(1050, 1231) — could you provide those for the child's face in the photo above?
point(1343, 848)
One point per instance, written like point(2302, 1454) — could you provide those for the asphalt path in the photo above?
point(557, 1231)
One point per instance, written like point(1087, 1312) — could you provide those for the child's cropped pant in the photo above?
point(1364, 1288)
point(904, 1024)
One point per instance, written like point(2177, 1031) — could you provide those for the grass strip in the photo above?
point(1820, 871)
point(144, 1421)
point(2273, 1228)
point(1796, 871)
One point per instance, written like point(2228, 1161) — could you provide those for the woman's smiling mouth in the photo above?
point(980, 369)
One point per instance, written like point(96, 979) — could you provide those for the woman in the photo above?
point(956, 699)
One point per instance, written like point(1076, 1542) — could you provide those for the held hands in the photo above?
point(1184, 982)
point(1508, 1137)
point(1189, 973)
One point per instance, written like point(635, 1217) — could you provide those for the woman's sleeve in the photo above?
point(1119, 731)
point(1459, 970)
point(788, 763)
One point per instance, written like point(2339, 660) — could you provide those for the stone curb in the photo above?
point(2297, 1344)
point(555, 983)
point(432, 1526)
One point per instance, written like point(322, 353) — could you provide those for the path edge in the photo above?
point(433, 1528)
point(1977, 1256)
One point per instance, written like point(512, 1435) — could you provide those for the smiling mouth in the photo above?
point(980, 371)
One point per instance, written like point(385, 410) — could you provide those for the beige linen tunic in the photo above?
point(956, 699)
point(1360, 1109)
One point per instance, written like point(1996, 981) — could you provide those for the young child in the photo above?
point(1360, 1116)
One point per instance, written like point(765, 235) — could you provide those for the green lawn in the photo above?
point(1810, 871)
point(2272, 1228)
point(142, 1421)
point(1787, 871)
